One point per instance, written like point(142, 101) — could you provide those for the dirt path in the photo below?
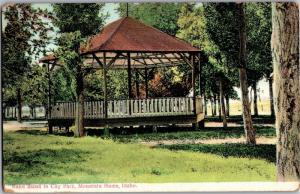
point(16, 126)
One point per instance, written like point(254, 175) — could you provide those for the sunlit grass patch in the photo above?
point(42, 158)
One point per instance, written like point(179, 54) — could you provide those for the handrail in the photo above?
point(164, 106)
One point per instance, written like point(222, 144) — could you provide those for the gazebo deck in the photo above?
point(151, 111)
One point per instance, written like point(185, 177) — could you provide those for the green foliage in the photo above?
point(83, 17)
point(76, 22)
point(25, 36)
point(35, 86)
point(63, 85)
point(193, 25)
point(35, 158)
point(222, 26)
point(163, 16)
point(259, 30)
point(262, 151)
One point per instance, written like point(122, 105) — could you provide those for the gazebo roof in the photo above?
point(128, 34)
point(148, 47)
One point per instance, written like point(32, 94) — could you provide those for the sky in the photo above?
point(110, 8)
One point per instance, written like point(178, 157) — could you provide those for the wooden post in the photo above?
point(129, 75)
point(129, 81)
point(137, 89)
point(199, 74)
point(146, 82)
point(193, 82)
point(105, 85)
point(50, 127)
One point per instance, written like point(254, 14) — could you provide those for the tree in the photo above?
point(162, 16)
point(76, 22)
point(25, 36)
point(226, 27)
point(193, 28)
point(285, 48)
point(35, 87)
point(259, 56)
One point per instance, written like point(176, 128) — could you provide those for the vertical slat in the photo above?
point(155, 106)
point(186, 105)
point(145, 107)
point(127, 105)
point(191, 105)
point(140, 107)
point(132, 106)
point(164, 105)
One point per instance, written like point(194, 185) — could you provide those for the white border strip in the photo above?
point(155, 187)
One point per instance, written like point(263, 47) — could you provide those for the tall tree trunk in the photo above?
point(31, 112)
point(205, 104)
point(212, 106)
point(79, 132)
point(227, 106)
point(219, 107)
point(255, 99)
point(271, 97)
point(19, 105)
point(285, 48)
point(222, 103)
point(46, 111)
point(248, 125)
point(215, 105)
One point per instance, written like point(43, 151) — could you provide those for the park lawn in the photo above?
point(37, 157)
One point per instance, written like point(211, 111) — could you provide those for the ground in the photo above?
point(33, 156)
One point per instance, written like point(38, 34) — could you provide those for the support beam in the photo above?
point(199, 74)
point(137, 89)
point(129, 75)
point(105, 85)
point(50, 128)
point(146, 82)
point(193, 81)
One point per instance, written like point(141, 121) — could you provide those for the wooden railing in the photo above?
point(131, 108)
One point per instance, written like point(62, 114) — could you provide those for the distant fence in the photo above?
point(37, 112)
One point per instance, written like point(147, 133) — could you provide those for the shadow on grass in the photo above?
point(164, 133)
point(261, 119)
point(261, 151)
point(43, 162)
point(32, 132)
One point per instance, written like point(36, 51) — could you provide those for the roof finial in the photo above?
point(127, 9)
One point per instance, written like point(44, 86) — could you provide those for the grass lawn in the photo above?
point(36, 157)
point(207, 133)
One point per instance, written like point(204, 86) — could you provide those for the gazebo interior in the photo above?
point(129, 44)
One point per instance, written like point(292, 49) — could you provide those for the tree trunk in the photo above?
point(46, 111)
point(271, 97)
point(248, 125)
point(215, 105)
point(31, 112)
point(222, 103)
point(34, 112)
point(285, 48)
point(205, 104)
point(227, 106)
point(79, 132)
point(219, 107)
point(255, 99)
point(19, 105)
point(212, 107)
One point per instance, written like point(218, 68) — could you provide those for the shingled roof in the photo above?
point(127, 34)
